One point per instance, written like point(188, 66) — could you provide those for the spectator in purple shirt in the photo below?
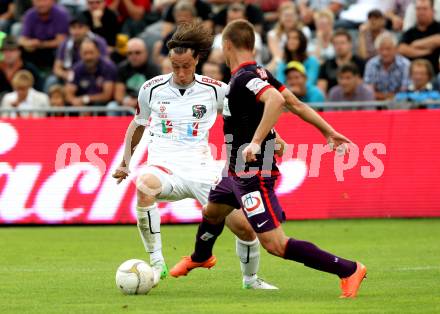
point(45, 26)
point(68, 53)
point(350, 86)
point(93, 78)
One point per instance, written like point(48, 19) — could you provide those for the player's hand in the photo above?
point(338, 142)
point(280, 146)
point(120, 173)
point(250, 151)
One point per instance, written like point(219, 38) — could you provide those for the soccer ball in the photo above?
point(134, 277)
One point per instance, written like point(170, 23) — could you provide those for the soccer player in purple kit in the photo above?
point(254, 102)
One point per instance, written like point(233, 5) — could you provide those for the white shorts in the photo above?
point(176, 187)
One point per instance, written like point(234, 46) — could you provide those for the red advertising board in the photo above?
point(58, 170)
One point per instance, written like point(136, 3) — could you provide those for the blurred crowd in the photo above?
point(99, 52)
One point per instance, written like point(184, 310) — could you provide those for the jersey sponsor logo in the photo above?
point(253, 203)
point(211, 81)
point(199, 111)
point(167, 126)
point(262, 73)
point(162, 108)
point(152, 82)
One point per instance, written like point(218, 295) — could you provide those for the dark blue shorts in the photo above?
point(256, 197)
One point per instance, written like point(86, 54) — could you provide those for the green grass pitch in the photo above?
point(71, 270)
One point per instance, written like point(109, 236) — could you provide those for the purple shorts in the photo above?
point(255, 196)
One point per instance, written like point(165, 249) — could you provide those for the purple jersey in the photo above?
point(242, 114)
point(56, 23)
point(92, 83)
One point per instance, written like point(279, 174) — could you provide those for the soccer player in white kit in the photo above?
point(178, 110)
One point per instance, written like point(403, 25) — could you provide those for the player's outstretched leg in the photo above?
point(207, 233)
point(148, 222)
point(351, 273)
point(247, 248)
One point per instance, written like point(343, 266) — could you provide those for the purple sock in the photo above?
point(311, 256)
point(205, 239)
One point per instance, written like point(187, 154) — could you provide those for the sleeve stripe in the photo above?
point(281, 88)
point(265, 88)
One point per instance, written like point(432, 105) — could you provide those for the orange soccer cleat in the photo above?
point(186, 264)
point(350, 285)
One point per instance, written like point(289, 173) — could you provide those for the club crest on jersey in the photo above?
point(198, 111)
point(253, 204)
point(262, 73)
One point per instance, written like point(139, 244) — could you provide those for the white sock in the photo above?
point(249, 254)
point(148, 222)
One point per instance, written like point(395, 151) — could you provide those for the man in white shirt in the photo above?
point(179, 109)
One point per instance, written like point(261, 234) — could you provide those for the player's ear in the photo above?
point(196, 59)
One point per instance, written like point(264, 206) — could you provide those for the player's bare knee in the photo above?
point(211, 216)
point(148, 187)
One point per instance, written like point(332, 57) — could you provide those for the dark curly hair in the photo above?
point(192, 36)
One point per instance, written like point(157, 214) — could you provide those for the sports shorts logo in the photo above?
point(253, 204)
point(198, 111)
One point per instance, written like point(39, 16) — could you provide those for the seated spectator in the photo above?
point(24, 96)
point(203, 9)
point(350, 86)
point(7, 8)
point(321, 44)
point(237, 11)
point(253, 14)
point(296, 80)
point(368, 32)
point(342, 42)
point(212, 70)
point(102, 21)
point(421, 88)
point(133, 72)
point(93, 78)
point(277, 37)
point(296, 50)
point(422, 40)
point(68, 53)
point(307, 9)
point(133, 14)
point(12, 63)
point(184, 12)
point(57, 99)
point(45, 27)
point(409, 14)
point(388, 72)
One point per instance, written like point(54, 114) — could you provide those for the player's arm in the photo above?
point(133, 135)
point(306, 113)
point(273, 107)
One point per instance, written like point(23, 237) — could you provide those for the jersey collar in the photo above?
point(242, 65)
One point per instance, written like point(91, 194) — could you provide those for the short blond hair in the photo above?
point(326, 13)
point(22, 77)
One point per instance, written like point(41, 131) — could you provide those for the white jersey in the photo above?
point(178, 125)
